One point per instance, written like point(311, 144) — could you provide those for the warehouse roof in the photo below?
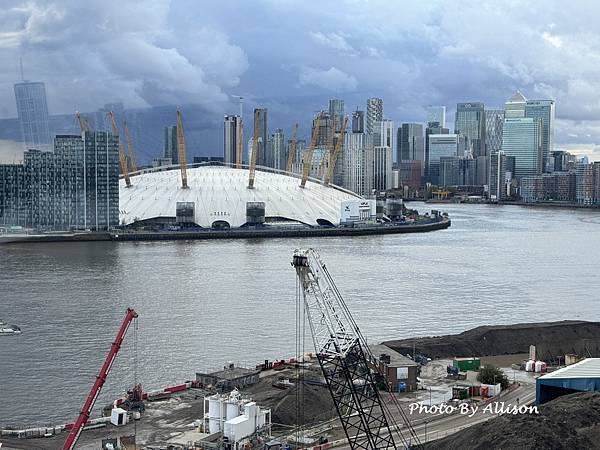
point(396, 359)
point(587, 368)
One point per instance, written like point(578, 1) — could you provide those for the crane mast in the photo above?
point(252, 171)
point(309, 155)
point(122, 159)
point(83, 123)
point(130, 151)
point(341, 352)
point(181, 149)
point(100, 379)
point(336, 152)
point(292, 152)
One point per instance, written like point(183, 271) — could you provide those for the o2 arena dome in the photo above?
point(218, 196)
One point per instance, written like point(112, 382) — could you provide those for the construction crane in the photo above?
point(345, 359)
point(130, 152)
point(181, 148)
point(122, 158)
point(292, 152)
point(83, 123)
point(100, 379)
point(254, 158)
point(336, 153)
point(309, 155)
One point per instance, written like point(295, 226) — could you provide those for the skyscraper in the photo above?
point(171, 149)
point(383, 133)
point(278, 151)
point(231, 129)
point(441, 145)
point(336, 113)
point(501, 173)
point(410, 143)
point(263, 134)
point(436, 114)
point(358, 163)
point(494, 121)
point(374, 112)
point(32, 111)
point(470, 122)
point(544, 110)
point(432, 128)
point(514, 107)
point(522, 139)
point(358, 121)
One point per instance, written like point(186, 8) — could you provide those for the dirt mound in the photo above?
point(569, 422)
point(314, 399)
point(506, 339)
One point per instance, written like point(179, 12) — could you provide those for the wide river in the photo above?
point(204, 303)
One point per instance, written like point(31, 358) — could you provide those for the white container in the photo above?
point(530, 366)
point(214, 414)
point(118, 417)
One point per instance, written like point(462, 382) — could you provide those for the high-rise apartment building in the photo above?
point(374, 113)
point(358, 122)
point(277, 150)
point(382, 168)
point(436, 114)
point(74, 187)
point(231, 137)
point(501, 173)
point(494, 122)
point(32, 110)
point(358, 163)
point(470, 122)
point(383, 133)
point(522, 139)
point(171, 149)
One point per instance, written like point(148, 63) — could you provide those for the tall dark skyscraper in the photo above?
point(358, 122)
point(470, 122)
point(171, 150)
point(336, 112)
point(231, 128)
point(32, 110)
point(544, 110)
point(263, 136)
point(410, 143)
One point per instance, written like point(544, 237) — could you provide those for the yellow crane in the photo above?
point(130, 152)
point(181, 148)
point(336, 152)
point(292, 152)
point(122, 160)
point(309, 155)
point(83, 123)
point(254, 157)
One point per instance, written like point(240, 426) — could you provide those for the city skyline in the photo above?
point(163, 58)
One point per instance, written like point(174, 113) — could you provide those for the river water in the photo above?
point(203, 303)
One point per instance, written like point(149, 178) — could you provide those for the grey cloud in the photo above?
point(332, 79)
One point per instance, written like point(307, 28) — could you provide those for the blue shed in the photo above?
point(578, 377)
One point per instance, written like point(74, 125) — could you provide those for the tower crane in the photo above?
point(345, 358)
point(336, 153)
point(122, 159)
point(130, 151)
point(309, 155)
point(292, 152)
point(252, 171)
point(181, 148)
point(83, 123)
point(100, 379)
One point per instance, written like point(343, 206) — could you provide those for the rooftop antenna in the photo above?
point(22, 73)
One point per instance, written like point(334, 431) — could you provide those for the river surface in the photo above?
point(203, 303)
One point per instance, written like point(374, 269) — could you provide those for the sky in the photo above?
point(292, 56)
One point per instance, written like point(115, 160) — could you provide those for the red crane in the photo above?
point(100, 379)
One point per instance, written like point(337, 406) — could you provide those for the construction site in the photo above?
point(337, 392)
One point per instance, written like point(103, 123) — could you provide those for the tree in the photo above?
point(492, 375)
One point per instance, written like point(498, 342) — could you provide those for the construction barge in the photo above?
point(236, 233)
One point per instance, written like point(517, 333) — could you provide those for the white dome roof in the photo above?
point(221, 193)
